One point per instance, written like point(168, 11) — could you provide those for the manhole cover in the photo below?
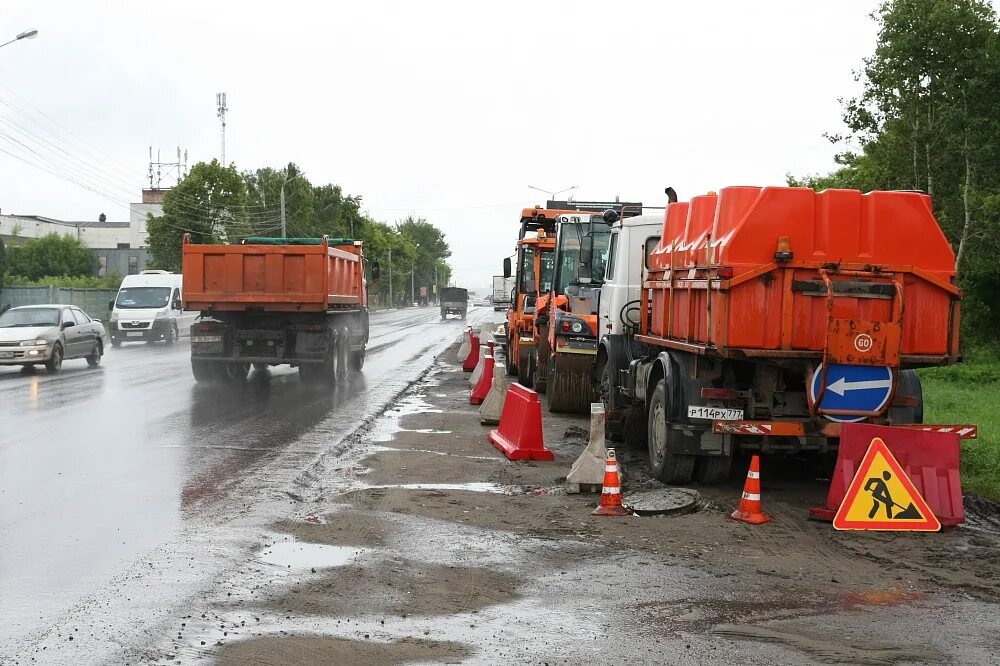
point(663, 501)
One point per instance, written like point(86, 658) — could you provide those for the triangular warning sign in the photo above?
point(882, 497)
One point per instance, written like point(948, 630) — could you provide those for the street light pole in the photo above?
point(552, 195)
point(390, 278)
point(27, 34)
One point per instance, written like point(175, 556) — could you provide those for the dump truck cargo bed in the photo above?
point(778, 272)
point(274, 275)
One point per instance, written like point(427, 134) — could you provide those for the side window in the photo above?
point(177, 296)
point(81, 316)
point(651, 244)
point(67, 316)
point(609, 271)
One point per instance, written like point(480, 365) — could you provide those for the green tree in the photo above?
point(210, 203)
point(927, 119)
point(50, 255)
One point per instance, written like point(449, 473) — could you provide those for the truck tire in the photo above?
point(204, 371)
point(357, 360)
point(670, 468)
point(712, 470)
point(310, 373)
point(170, 337)
point(908, 384)
point(524, 375)
point(234, 372)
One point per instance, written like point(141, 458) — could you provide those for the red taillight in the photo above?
point(719, 394)
point(725, 272)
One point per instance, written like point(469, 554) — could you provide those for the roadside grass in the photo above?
point(970, 393)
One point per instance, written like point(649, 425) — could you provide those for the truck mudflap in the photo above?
point(798, 428)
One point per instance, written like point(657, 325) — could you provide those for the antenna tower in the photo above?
point(220, 103)
point(157, 168)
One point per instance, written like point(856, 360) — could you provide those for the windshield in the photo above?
point(30, 317)
point(143, 297)
point(569, 270)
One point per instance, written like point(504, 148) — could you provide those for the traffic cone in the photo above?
point(611, 493)
point(750, 509)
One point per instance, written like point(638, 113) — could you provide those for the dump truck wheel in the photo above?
point(234, 372)
point(310, 373)
point(908, 384)
point(204, 371)
point(357, 360)
point(712, 470)
point(670, 468)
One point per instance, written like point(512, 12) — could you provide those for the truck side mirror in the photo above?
point(587, 250)
point(506, 267)
point(176, 305)
point(111, 305)
point(376, 271)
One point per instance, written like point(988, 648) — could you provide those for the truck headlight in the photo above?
point(33, 343)
point(576, 327)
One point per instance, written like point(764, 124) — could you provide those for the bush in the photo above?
point(112, 281)
point(49, 255)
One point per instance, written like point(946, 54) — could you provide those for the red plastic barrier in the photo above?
point(485, 382)
point(519, 435)
point(472, 360)
point(930, 459)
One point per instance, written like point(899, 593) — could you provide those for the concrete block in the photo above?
point(492, 407)
point(587, 473)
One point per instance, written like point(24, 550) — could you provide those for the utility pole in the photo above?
point(413, 282)
point(436, 285)
point(390, 278)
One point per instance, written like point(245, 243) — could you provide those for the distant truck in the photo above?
point(272, 301)
point(454, 300)
point(502, 289)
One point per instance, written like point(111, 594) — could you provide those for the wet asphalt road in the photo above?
point(98, 467)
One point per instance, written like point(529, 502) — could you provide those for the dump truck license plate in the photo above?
point(714, 413)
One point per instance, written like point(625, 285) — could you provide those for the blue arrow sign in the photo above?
point(854, 387)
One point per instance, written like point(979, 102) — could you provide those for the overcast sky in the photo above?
point(446, 110)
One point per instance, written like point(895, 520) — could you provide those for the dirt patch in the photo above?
point(309, 650)
point(398, 588)
point(344, 528)
point(388, 467)
point(833, 649)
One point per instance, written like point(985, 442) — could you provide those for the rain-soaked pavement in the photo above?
point(101, 470)
point(145, 520)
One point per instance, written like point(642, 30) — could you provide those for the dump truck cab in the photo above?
point(533, 278)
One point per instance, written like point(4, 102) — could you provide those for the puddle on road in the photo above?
point(302, 555)
point(388, 425)
point(389, 449)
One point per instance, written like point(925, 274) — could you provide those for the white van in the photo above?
point(148, 308)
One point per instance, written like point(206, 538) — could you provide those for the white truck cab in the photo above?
point(148, 308)
point(632, 240)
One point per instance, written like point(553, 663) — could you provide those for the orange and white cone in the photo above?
point(750, 510)
point(611, 493)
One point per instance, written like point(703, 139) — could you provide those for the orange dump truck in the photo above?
point(770, 316)
point(272, 301)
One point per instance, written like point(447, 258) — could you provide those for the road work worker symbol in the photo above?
point(882, 497)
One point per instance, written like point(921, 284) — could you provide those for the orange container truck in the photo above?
point(769, 316)
point(272, 301)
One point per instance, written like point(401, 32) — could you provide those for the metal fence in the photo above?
point(92, 301)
